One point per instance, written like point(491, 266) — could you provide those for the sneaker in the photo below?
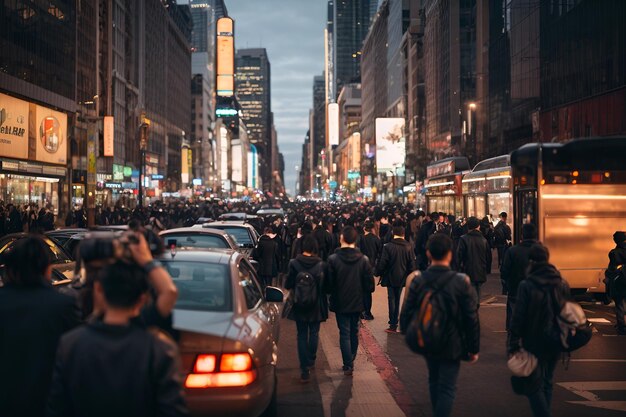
point(391, 329)
point(305, 377)
point(348, 371)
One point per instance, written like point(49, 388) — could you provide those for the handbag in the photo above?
point(522, 363)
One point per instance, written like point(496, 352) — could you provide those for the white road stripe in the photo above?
point(599, 360)
point(584, 390)
point(598, 320)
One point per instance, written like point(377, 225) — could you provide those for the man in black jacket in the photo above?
point(617, 263)
point(513, 270)
point(502, 237)
point(349, 277)
point(114, 366)
point(33, 316)
point(464, 331)
point(267, 254)
point(371, 246)
point(474, 255)
point(324, 240)
point(425, 231)
point(396, 263)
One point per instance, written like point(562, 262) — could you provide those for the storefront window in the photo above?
point(22, 190)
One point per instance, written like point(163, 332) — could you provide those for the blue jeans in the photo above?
point(308, 339)
point(442, 376)
point(540, 401)
point(348, 324)
point(393, 300)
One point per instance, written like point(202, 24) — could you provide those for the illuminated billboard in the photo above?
point(225, 57)
point(333, 124)
point(390, 146)
point(237, 163)
point(13, 127)
point(51, 144)
point(109, 130)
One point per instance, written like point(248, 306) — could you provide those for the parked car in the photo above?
point(228, 333)
point(68, 239)
point(256, 221)
point(198, 238)
point(244, 234)
point(62, 264)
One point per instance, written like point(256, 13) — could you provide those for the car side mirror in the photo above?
point(274, 295)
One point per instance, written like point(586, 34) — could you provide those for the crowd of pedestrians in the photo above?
point(329, 257)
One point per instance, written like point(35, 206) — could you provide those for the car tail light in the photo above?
point(205, 364)
point(235, 370)
point(236, 362)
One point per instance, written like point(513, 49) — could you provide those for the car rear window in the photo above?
point(201, 286)
point(240, 234)
point(200, 241)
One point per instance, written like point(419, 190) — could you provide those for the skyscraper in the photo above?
point(350, 23)
point(318, 129)
point(254, 96)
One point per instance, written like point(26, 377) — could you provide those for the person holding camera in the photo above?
point(33, 316)
point(114, 366)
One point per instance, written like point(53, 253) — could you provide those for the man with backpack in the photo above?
point(616, 279)
point(305, 279)
point(349, 278)
point(440, 320)
point(371, 246)
point(540, 298)
point(396, 263)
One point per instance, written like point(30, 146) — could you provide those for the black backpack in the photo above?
point(428, 331)
point(306, 288)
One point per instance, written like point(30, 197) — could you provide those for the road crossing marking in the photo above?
point(599, 320)
point(599, 360)
point(585, 390)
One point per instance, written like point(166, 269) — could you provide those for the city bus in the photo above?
point(575, 193)
point(487, 189)
point(443, 185)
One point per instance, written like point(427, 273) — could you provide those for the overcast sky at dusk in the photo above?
point(292, 31)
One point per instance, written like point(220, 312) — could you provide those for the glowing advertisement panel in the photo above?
point(390, 146)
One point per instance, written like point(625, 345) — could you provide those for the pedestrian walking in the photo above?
point(540, 298)
point(267, 254)
point(502, 237)
point(33, 316)
point(425, 231)
point(349, 277)
point(371, 246)
point(459, 337)
point(114, 366)
point(616, 279)
point(474, 255)
point(305, 279)
point(513, 270)
point(396, 263)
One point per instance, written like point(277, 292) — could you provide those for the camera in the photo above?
point(102, 246)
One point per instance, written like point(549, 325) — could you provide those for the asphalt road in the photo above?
point(389, 380)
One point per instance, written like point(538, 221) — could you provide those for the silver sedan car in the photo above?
point(228, 333)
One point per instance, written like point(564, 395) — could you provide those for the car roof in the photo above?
point(68, 231)
point(229, 223)
point(195, 230)
point(212, 256)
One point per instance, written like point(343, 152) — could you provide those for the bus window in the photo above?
point(526, 210)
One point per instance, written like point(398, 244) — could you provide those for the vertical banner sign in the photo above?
point(184, 168)
point(91, 155)
point(237, 163)
point(225, 57)
point(109, 132)
point(13, 127)
point(333, 124)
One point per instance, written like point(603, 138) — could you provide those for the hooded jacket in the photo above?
point(396, 263)
point(538, 296)
point(515, 265)
point(349, 279)
point(316, 267)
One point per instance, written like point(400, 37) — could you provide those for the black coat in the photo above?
point(267, 254)
point(474, 256)
point(319, 270)
point(534, 309)
point(371, 246)
point(502, 234)
point(32, 320)
point(324, 242)
point(349, 279)
point(396, 263)
point(617, 257)
point(464, 333)
point(105, 370)
point(515, 265)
